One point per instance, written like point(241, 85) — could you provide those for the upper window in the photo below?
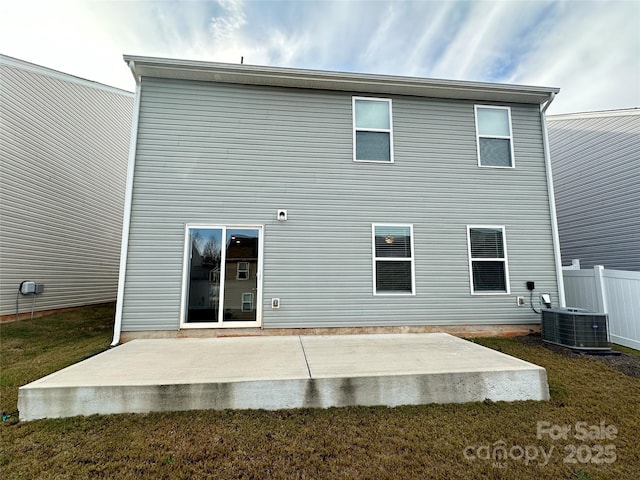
point(494, 137)
point(247, 302)
point(488, 259)
point(372, 130)
point(242, 271)
point(393, 269)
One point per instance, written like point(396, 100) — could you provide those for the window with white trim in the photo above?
point(393, 266)
point(494, 136)
point(488, 267)
point(372, 130)
point(242, 271)
point(247, 302)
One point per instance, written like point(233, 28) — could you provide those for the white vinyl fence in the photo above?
point(615, 292)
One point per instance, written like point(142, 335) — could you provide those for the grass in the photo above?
point(630, 351)
point(30, 349)
point(427, 441)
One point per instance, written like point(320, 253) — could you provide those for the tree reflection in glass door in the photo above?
point(204, 274)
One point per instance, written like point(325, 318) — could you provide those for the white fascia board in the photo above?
point(342, 81)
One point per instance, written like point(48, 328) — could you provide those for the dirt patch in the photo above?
point(621, 361)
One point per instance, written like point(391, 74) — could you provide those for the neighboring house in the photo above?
point(63, 159)
point(596, 173)
point(362, 200)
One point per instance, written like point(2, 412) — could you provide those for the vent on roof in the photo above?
point(575, 328)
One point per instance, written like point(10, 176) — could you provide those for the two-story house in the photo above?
point(596, 174)
point(274, 198)
point(64, 145)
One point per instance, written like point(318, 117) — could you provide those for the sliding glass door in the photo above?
point(221, 280)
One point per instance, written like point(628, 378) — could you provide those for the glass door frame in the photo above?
point(186, 265)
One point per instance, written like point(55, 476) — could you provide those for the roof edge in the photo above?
point(622, 112)
point(332, 80)
point(50, 72)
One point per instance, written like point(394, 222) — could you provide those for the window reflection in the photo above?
point(241, 267)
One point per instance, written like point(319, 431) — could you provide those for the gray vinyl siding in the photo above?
point(234, 154)
point(596, 169)
point(63, 158)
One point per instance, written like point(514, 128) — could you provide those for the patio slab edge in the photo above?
point(390, 390)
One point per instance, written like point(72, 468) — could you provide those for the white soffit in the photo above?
point(342, 81)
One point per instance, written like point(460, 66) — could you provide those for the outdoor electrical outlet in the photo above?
point(520, 301)
point(275, 303)
point(531, 286)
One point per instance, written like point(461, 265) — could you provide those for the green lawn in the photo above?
point(429, 441)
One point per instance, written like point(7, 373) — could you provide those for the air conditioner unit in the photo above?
point(575, 328)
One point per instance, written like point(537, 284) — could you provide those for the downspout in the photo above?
point(124, 246)
point(552, 203)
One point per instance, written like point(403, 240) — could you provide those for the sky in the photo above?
point(590, 49)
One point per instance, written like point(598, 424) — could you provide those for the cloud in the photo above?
point(486, 39)
point(592, 54)
point(63, 37)
point(433, 39)
point(591, 49)
point(224, 27)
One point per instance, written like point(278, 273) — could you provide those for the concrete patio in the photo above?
point(277, 372)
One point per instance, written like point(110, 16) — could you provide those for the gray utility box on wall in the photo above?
point(575, 328)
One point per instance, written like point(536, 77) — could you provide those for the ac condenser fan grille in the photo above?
point(575, 329)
